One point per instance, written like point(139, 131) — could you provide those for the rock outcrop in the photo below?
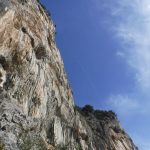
point(37, 109)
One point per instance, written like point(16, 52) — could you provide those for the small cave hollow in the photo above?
point(40, 52)
point(24, 30)
point(4, 62)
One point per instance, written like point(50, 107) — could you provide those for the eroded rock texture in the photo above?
point(36, 103)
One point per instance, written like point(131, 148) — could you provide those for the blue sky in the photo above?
point(105, 45)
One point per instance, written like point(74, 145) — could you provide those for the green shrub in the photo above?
point(88, 109)
point(77, 108)
point(100, 114)
point(1, 146)
point(61, 147)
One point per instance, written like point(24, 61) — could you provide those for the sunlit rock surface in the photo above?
point(36, 104)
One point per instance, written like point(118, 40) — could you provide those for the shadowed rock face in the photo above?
point(36, 102)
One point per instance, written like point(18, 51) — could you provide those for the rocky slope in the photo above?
point(36, 104)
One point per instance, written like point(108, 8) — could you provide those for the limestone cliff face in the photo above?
point(36, 104)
